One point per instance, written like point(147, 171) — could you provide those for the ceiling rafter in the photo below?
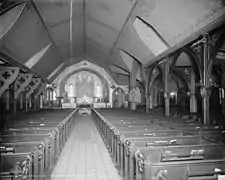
point(120, 67)
point(45, 27)
point(207, 28)
point(130, 15)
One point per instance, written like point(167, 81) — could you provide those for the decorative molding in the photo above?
point(83, 65)
point(22, 81)
point(35, 82)
point(7, 76)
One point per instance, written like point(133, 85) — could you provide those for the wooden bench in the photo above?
point(119, 134)
point(41, 141)
point(27, 165)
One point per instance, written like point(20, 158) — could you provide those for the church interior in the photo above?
point(112, 89)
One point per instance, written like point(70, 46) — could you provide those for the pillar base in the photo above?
point(133, 106)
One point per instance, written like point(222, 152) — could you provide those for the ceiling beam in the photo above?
point(121, 74)
point(84, 29)
point(189, 39)
point(45, 27)
point(129, 17)
point(71, 30)
point(120, 68)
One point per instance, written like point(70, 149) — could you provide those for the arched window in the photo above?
point(98, 90)
point(54, 95)
point(47, 94)
point(71, 90)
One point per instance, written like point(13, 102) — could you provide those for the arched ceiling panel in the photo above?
point(64, 21)
point(150, 37)
point(96, 51)
point(175, 20)
point(28, 43)
point(26, 38)
point(101, 34)
point(183, 60)
point(9, 18)
point(108, 13)
point(130, 42)
point(52, 63)
point(128, 60)
point(121, 79)
point(95, 29)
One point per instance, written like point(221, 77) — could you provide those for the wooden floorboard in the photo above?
point(85, 156)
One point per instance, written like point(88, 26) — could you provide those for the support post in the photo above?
point(204, 90)
point(193, 101)
point(133, 76)
point(21, 101)
point(32, 87)
point(41, 101)
point(7, 101)
point(147, 98)
point(22, 81)
point(26, 105)
point(166, 89)
point(150, 102)
point(38, 98)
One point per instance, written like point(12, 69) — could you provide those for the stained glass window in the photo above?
point(71, 91)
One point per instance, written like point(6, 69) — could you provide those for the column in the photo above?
point(27, 101)
point(147, 104)
point(166, 90)
point(133, 105)
point(150, 101)
point(204, 90)
point(14, 105)
point(111, 97)
point(21, 101)
point(193, 101)
point(7, 101)
point(41, 101)
point(120, 98)
point(35, 102)
point(223, 91)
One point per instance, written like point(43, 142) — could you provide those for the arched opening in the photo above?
point(84, 87)
point(118, 98)
point(186, 73)
point(216, 94)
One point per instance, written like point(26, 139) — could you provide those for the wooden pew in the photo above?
point(121, 127)
point(27, 165)
point(18, 142)
point(175, 154)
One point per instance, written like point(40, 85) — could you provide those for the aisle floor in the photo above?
point(85, 156)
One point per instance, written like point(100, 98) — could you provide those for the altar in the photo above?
point(69, 105)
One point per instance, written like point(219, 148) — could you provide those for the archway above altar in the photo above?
point(85, 80)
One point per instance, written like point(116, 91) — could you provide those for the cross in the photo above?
point(6, 74)
point(21, 80)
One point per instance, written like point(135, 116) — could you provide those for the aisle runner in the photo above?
point(85, 156)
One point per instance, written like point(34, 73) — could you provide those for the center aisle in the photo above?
point(85, 156)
